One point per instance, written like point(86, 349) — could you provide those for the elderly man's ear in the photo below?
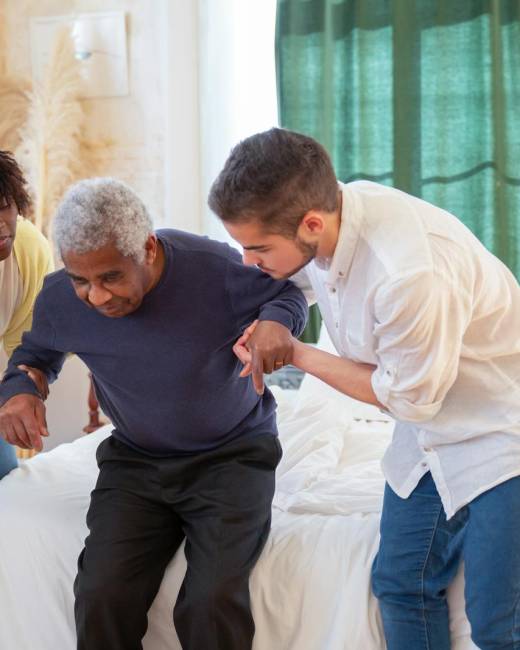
point(150, 247)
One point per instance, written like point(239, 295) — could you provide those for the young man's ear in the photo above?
point(312, 224)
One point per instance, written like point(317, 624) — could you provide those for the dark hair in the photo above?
point(275, 177)
point(13, 183)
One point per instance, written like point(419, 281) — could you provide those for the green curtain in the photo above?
point(311, 332)
point(423, 95)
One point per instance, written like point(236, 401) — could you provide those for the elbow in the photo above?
point(407, 411)
point(399, 404)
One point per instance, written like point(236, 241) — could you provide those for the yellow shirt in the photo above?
point(34, 259)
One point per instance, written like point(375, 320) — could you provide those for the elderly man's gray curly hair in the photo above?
point(100, 211)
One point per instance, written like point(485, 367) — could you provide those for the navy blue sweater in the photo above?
point(166, 374)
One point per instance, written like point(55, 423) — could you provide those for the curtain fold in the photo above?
point(423, 95)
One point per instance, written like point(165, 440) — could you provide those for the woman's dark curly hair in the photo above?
point(13, 184)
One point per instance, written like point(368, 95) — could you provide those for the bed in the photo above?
point(311, 587)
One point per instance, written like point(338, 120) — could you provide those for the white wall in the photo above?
point(67, 411)
point(179, 36)
point(237, 84)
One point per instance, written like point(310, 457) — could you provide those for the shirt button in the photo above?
point(341, 274)
point(333, 290)
point(427, 449)
point(424, 464)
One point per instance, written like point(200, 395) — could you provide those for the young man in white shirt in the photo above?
point(426, 323)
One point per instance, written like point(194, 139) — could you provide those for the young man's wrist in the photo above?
point(298, 353)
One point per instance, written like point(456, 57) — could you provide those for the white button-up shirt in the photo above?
point(411, 290)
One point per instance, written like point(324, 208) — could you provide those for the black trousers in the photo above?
point(141, 510)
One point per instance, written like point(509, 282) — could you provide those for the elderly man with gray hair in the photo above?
point(155, 315)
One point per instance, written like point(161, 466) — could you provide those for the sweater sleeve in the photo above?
point(34, 258)
point(36, 350)
point(254, 294)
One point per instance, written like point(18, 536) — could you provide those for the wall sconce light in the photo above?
point(82, 55)
point(99, 43)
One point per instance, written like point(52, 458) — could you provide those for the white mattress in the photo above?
point(311, 587)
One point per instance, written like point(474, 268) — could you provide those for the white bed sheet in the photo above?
point(311, 587)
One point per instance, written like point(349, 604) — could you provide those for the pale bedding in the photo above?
point(311, 587)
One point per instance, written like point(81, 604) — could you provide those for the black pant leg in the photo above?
point(132, 538)
point(226, 513)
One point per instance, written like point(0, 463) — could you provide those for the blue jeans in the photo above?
point(8, 459)
point(418, 557)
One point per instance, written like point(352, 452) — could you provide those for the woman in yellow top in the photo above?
point(25, 259)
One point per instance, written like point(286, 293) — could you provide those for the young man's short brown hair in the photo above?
point(275, 178)
point(13, 183)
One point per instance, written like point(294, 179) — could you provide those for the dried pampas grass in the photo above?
point(3, 40)
point(13, 96)
point(14, 105)
point(93, 155)
point(50, 149)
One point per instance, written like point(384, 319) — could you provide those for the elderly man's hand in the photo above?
point(39, 378)
point(265, 346)
point(242, 352)
point(22, 421)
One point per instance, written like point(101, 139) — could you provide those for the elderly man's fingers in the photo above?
point(246, 370)
point(10, 437)
point(239, 348)
point(246, 334)
point(19, 434)
point(251, 328)
point(15, 441)
point(242, 340)
point(243, 354)
point(257, 367)
point(41, 419)
point(33, 432)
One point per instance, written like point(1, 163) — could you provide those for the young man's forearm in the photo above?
point(346, 376)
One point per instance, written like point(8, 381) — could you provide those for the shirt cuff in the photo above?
point(279, 316)
point(399, 407)
point(16, 386)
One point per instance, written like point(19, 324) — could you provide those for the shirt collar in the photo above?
point(339, 265)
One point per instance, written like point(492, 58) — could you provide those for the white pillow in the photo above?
point(312, 389)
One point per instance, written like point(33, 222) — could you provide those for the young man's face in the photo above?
point(108, 281)
point(8, 216)
point(276, 255)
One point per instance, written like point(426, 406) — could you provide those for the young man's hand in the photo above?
point(22, 421)
point(265, 346)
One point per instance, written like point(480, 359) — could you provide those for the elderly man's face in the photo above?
point(8, 216)
point(111, 283)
